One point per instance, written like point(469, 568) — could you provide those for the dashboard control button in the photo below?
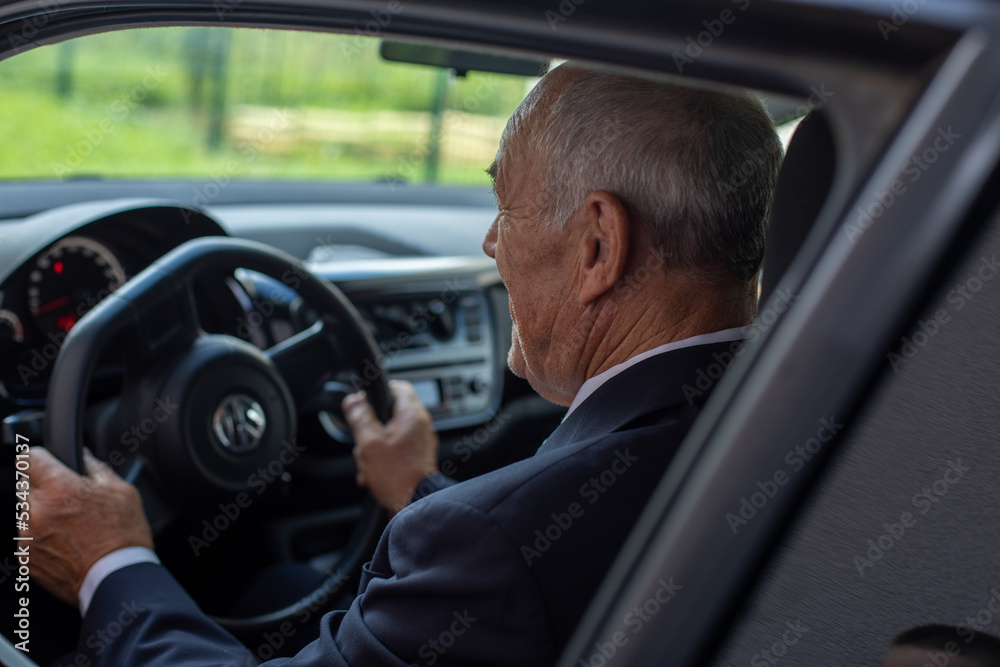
point(479, 384)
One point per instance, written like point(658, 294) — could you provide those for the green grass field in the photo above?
point(208, 102)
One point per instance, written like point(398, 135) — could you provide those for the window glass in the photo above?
point(242, 103)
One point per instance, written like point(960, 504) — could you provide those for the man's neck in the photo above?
point(594, 383)
point(624, 330)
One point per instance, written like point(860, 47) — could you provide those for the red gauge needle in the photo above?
point(52, 305)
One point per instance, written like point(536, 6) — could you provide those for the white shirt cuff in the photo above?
point(113, 562)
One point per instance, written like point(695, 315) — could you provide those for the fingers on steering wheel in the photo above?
point(44, 466)
point(95, 468)
point(360, 416)
point(403, 394)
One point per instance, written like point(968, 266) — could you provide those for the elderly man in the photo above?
point(630, 236)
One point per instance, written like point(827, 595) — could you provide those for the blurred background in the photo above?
point(242, 103)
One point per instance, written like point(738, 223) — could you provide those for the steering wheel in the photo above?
point(212, 409)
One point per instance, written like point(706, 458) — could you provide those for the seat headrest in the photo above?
point(803, 184)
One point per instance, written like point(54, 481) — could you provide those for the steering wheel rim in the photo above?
point(156, 313)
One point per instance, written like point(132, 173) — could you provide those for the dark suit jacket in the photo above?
point(494, 571)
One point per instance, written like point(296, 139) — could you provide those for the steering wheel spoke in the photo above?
point(306, 359)
point(166, 317)
point(119, 449)
point(158, 510)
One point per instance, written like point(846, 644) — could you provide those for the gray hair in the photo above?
point(697, 167)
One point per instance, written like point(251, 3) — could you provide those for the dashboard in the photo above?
point(440, 322)
point(442, 338)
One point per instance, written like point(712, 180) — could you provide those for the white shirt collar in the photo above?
point(591, 385)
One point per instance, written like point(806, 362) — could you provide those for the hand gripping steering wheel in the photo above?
point(222, 408)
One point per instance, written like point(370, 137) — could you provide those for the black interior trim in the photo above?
point(816, 361)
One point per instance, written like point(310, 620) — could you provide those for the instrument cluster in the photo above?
point(44, 300)
point(59, 264)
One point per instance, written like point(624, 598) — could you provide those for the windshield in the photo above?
point(228, 103)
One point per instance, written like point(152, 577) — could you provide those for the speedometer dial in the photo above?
point(11, 329)
point(69, 279)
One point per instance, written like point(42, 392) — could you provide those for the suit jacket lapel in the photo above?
point(684, 376)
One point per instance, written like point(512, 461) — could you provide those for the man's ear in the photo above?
point(604, 244)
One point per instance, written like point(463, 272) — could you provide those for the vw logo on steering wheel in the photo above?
point(239, 423)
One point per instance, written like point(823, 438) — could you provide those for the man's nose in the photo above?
point(490, 242)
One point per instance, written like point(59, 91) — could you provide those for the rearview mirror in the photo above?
point(459, 60)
